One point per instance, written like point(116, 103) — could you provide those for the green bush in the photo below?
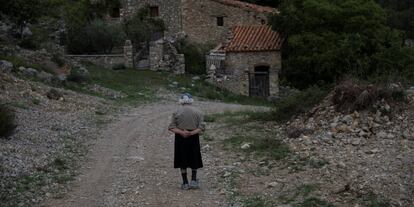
point(141, 27)
point(195, 57)
point(29, 43)
point(119, 67)
point(7, 121)
point(352, 96)
point(95, 37)
point(78, 76)
point(58, 59)
point(327, 40)
point(298, 103)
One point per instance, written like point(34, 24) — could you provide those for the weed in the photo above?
point(19, 61)
point(260, 145)
point(36, 101)
point(301, 192)
point(58, 59)
point(297, 104)
point(209, 118)
point(255, 201)
point(373, 200)
point(208, 137)
point(315, 202)
point(352, 96)
point(119, 67)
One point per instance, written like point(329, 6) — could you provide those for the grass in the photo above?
point(260, 145)
point(281, 111)
point(314, 202)
point(141, 86)
point(373, 200)
point(19, 61)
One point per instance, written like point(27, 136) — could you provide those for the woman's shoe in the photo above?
point(194, 184)
point(185, 186)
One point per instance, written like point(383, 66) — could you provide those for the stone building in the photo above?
point(203, 21)
point(249, 62)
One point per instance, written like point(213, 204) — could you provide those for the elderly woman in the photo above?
point(187, 124)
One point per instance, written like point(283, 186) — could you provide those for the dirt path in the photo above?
point(131, 165)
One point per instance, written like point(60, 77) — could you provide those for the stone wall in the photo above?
point(169, 11)
point(237, 65)
point(105, 61)
point(200, 20)
point(163, 56)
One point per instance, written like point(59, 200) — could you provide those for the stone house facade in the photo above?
point(203, 21)
point(249, 63)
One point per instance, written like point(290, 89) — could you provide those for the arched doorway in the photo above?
point(259, 81)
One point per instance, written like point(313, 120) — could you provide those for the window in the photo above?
point(154, 11)
point(220, 21)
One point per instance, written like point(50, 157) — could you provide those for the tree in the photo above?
point(400, 15)
point(327, 39)
point(141, 27)
point(22, 12)
point(103, 36)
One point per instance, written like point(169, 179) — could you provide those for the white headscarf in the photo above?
point(186, 98)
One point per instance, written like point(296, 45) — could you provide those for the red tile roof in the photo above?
point(253, 38)
point(248, 6)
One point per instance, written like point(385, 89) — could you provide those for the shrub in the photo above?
point(7, 121)
point(95, 37)
point(297, 103)
point(142, 27)
point(195, 57)
point(352, 96)
point(78, 76)
point(119, 67)
point(58, 59)
point(29, 43)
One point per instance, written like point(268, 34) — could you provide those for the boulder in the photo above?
point(5, 66)
point(29, 72)
point(27, 32)
point(54, 94)
point(45, 77)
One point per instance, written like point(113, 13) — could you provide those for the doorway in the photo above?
point(259, 81)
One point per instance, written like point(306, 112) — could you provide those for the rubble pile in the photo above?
point(367, 151)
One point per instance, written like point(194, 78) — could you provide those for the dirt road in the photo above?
point(132, 164)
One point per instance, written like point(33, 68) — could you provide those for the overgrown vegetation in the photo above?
point(87, 32)
point(351, 96)
point(260, 145)
point(7, 121)
point(195, 57)
point(282, 110)
point(142, 28)
point(141, 86)
point(329, 39)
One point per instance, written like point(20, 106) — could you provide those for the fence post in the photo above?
point(128, 54)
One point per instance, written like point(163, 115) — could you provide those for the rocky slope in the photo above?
point(54, 126)
point(370, 152)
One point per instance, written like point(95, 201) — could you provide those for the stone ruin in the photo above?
point(163, 56)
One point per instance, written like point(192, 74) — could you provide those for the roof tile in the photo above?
point(248, 6)
point(253, 38)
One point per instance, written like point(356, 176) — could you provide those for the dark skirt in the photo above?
point(187, 152)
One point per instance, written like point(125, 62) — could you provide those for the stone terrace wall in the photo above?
point(200, 20)
point(106, 61)
point(237, 65)
point(169, 11)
